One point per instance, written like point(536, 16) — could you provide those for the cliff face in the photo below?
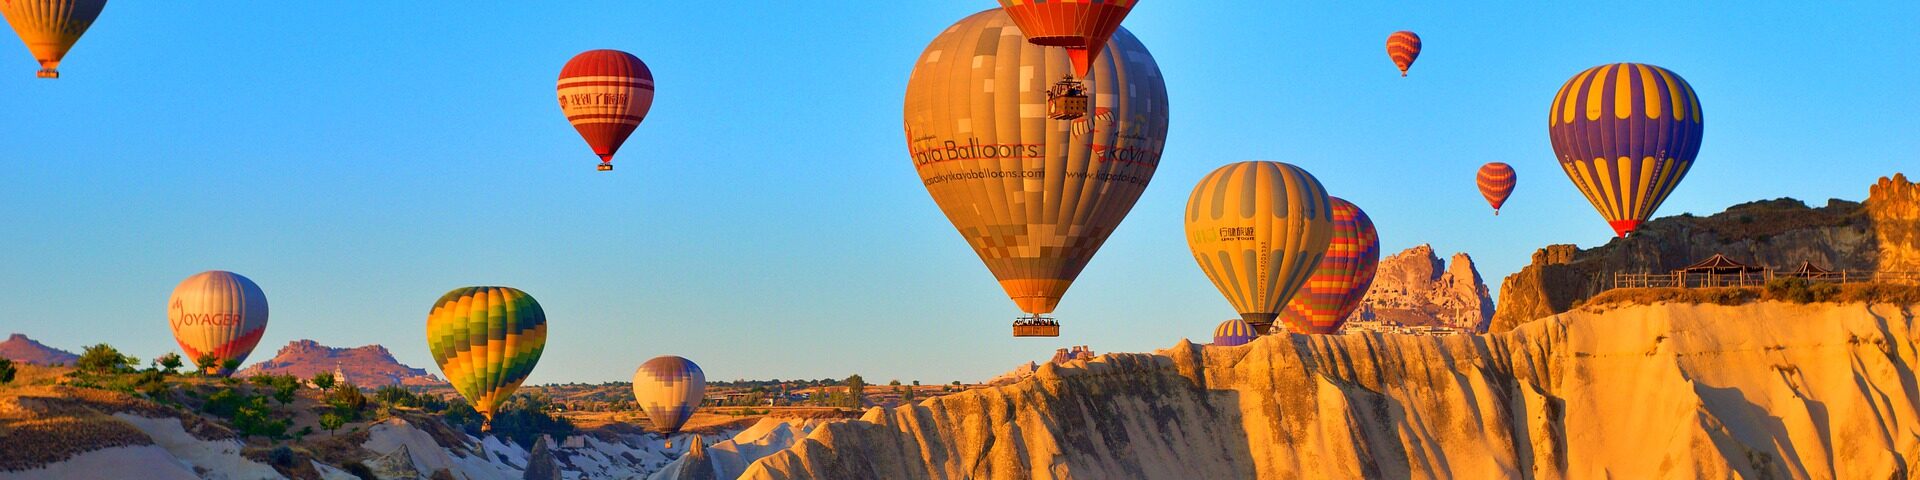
point(1882, 234)
point(1415, 288)
point(1894, 205)
point(1670, 391)
point(367, 366)
point(21, 349)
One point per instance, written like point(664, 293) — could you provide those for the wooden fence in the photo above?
point(1756, 279)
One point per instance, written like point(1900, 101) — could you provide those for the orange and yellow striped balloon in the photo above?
point(1340, 282)
point(1496, 181)
point(1258, 230)
point(50, 27)
point(1626, 133)
point(486, 340)
point(1403, 46)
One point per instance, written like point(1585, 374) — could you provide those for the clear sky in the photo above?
point(359, 159)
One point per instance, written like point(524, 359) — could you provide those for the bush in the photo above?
point(224, 403)
point(281, 456)
point(395, 396)
point(461, 415)
point(347, 401)
point(104, 358)
point(1800, 290)
point(523, 417)
point(6, 371)
point(361, 470)
point(169, 363)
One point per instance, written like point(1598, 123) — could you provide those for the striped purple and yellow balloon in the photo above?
point(486, 340)
point(1341, 281)
point(1496, 181)
point(1626, 133)
point(1233, 333)
point(669, 389)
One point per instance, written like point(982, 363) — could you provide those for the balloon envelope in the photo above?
point(217, 313)
point(486, 340)
point(605, 94)
point(50, 27)
point(1403, 47)
point(1626, 134)
point(1232, 333)
point(1034, 200)
point(1258, 230)
point(669, 389)
point(1083, 27)
point(1496, 181)
point(1341, 281)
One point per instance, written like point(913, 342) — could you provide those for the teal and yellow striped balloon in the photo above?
point(486, 340)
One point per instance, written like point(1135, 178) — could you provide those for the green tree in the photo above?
point(856, 391)
point(348, 401)
point(207, 363)
point(331, 421)
point(394, 396)
point(230, 365)
point(284, 388)
point(323, 381)
point(104, 358)
point(6, 371)
point(170, 363)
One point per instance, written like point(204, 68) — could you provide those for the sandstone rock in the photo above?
point(1781, 233)
point(1414, 287)
point(21, 349)
point(368, 366)
point(1894, 205)
point(542, 466)
point(1763, 390)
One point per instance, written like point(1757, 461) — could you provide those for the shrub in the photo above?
point(207, 363)
point(461, 415)
point(169, 363)
point(6, 371)
point(361, 470)
point(281, 456)
point(523, 417)
point(323, 381)
point(224, 403)
point(347, 401)
point(396, 396)
point(104, 358)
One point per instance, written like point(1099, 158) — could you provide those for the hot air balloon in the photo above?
point(1082, 27)
point(1403, 46)
point(217, 313)
point(1496, 182)
point(1233, 333)
point(669, 389)
point(1033, 201)
point(486, 340)
point(1626, 134)
point(605, 94)
point(50, 27)
point(1259, 229)
point(1340, 282)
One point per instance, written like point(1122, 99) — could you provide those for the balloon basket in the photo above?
point(605, 167)
point(1067, 100)
point(48, 73)
point(1036, 326)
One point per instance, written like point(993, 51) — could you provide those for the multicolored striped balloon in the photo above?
point(1082, 26)
point(486, 340)
point(1258, 230)
point(1626, 134)
point(1341, 281)
point(50, 27)
point(669, 389)
point(1233, 333)
point(217, 313)
point(1403, 46)
point(1496, 181)
point(605, 94)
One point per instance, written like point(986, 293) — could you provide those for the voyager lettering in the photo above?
point(207, 320)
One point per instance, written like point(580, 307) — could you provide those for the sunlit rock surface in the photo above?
point(1764, 390)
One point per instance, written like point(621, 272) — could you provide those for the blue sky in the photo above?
point(358, 159)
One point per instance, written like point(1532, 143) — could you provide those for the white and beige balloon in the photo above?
point(217, 313)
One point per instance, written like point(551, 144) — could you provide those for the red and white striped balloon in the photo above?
point(605, 94)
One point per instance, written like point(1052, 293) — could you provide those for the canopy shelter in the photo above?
point(1809, 270)
point(1720, 265)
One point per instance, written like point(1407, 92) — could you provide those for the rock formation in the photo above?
point(1414, 287)
point(369, 366)
point(1060, 356)
point(1763, 390)
point(1879, 235)
point(21, 349)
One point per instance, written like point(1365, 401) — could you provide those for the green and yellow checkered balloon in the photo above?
point(486, 340)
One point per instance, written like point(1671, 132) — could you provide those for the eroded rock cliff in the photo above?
point(1763, 390)
point(1883, 234)
point(1415, 287)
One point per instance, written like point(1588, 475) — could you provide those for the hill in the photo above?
point(21, 349)
point(1881, 234)
point(1755, 390)
point(367, 366)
